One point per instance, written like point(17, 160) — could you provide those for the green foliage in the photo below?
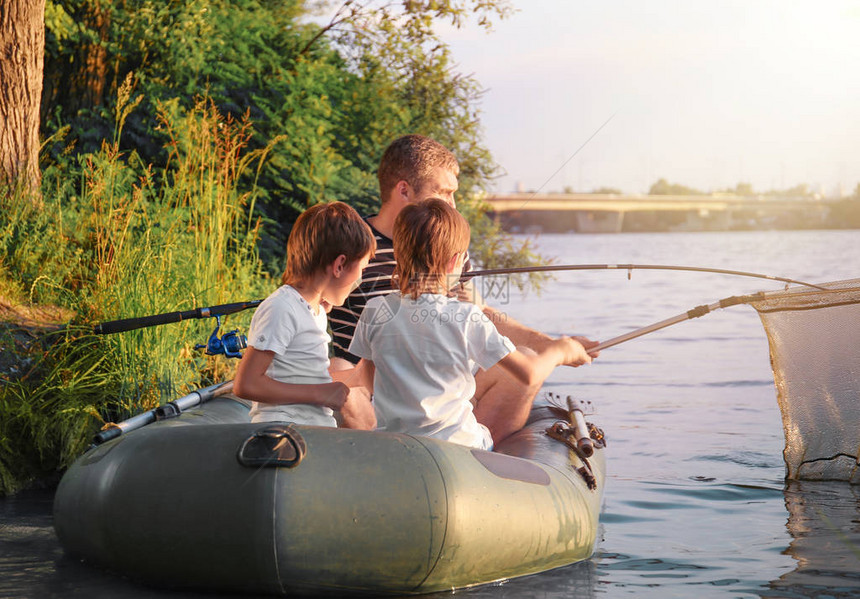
point(45, 426)
point(125, 240)
point(744, 189)
point(334, 95)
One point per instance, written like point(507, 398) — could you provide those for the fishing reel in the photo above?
point(230, 344)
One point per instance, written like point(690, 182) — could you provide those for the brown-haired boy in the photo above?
point(424, 344)
point(285, 370)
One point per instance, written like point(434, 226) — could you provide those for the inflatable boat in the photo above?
point(201, 498)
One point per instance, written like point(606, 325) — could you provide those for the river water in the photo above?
point(695, 502)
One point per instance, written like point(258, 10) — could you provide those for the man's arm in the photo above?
point(511, 328)
point(517, 332)
point(357, 412)
point(358, 375)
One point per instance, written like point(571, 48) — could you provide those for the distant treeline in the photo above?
point(663, 187)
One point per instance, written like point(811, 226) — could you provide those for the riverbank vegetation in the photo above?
point(119, 239)
point(180, 141)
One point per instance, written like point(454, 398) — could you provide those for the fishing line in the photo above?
point(572, 156)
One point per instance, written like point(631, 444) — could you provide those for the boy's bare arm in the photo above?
point(252, 383)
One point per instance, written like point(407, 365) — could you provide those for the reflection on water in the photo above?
point(824, 523)
point(33, 565)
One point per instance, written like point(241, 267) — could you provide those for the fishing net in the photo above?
point(814, 338)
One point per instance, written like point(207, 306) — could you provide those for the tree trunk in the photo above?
point(22, 55)
point(78, 80)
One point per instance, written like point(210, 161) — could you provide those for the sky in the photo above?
point(620, 93)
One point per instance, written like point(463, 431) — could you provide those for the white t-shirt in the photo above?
point(284, 323)
point(425, 352)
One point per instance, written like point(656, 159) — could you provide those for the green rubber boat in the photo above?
point(202, 498)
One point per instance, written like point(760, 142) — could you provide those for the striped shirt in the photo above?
point(375, 281)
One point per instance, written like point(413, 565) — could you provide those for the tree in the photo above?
point(333, 95)
point(744, 189)
point(22, 47)
point(663, 187)
point(608, 191)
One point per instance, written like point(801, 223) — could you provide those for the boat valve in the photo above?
point(230, 344)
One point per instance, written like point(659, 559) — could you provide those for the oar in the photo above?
point(129, 324)
point(688, 315)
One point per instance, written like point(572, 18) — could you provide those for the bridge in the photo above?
point(611, 213)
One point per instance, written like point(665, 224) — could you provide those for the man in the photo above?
point(414, 168)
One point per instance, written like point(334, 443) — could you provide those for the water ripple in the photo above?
point(751, 459)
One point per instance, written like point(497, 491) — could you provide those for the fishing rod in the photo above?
point(229, 344)
point(629, 268)
point(130, 324)
point(696, 312)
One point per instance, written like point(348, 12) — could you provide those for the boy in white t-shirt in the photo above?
point(425, 345)
point(285, 369)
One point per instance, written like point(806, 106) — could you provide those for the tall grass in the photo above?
point(117, 239)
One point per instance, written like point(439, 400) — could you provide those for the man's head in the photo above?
point(321, 234)
point(430, 243)
point(415, 168)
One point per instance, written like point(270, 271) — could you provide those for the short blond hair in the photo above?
point(321, 234)
point(427, 234)
point(412, 158)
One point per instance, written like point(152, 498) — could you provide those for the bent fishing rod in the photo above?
point(629, 268)
point(696, 312)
